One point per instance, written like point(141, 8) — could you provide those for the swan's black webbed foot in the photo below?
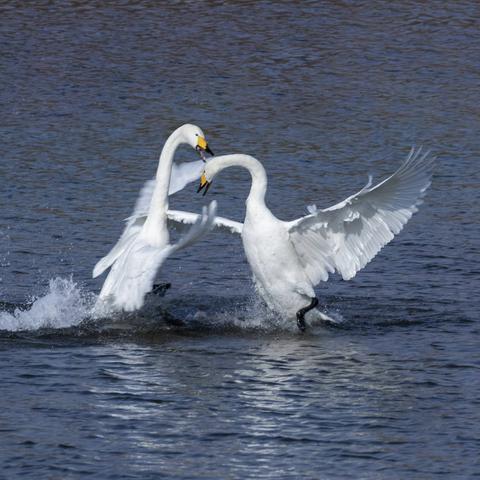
point(160, 289)
point(301, 314)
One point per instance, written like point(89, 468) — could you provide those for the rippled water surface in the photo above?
point(322, 93)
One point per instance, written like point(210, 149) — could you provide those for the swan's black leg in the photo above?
point(301, 314)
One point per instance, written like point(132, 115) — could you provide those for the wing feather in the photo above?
point(133, 273)
point(346, 236)
point(181, 175)
point(178, 218)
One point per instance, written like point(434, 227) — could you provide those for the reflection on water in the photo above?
point(323, 94)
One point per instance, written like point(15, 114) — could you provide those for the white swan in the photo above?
point(289, 258)
point(144, 245)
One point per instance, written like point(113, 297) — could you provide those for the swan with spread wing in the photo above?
point(289, 258)
point(145, 242)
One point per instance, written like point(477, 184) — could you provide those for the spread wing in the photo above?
point(346, 236)
point(182, 174)
point(133, 273)
point(178, 218)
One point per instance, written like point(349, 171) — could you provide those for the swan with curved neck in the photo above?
point(155, 227)
point(145, 243)
point(289, 258)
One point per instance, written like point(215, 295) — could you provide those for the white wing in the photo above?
point(133, 273)
point(177, 217)
point(181, 175)
point(132, 229)
point(346, 236)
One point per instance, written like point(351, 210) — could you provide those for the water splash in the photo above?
point(251, 315)
point(64, 305)
point(254, 315)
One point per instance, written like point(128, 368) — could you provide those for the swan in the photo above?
point(145, 243)
point(289, 258)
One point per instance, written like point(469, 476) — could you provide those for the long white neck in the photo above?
point(258, 188)
point(155, 227)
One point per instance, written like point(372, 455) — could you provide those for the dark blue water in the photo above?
point(322, 94)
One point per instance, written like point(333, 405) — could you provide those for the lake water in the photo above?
point(323, 93)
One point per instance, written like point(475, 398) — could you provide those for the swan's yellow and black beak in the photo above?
point(202, 147)
point(204, 184)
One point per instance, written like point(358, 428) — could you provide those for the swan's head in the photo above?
point(194, 136)
point(217, 164)
point(211, 169)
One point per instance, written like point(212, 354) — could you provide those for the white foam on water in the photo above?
point(63, 305)
point(256, 316)
point(252, 316)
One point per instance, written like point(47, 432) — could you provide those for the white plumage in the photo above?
point(289, 258)
point(144, 245)
point(346, 236)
